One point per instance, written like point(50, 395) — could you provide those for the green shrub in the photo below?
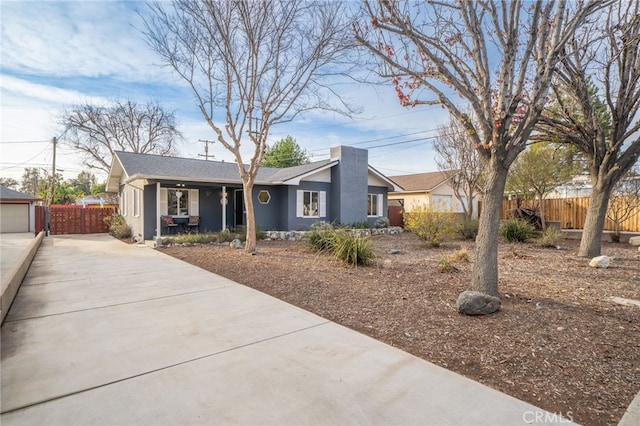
point(517, 230)
point(352, 249)
point(190, 239)
point(360, 225)
point(118, 226)
point(225, 236)
point(433, 226)
point(382, 222)
point(469, 229)
point(445, 265)
point(322, 236)
point(550, 238)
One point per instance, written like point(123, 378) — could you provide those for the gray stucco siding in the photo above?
point(350, 178)
point(272, 215)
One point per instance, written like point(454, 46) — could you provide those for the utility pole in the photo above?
point(206, 149)
point(53, 171)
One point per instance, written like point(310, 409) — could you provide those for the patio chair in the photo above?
point(194, 222)
point(169, 224)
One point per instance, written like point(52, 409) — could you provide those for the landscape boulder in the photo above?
point(477, 303)
point(236, 244)
point(635, 241)
point(599, 262)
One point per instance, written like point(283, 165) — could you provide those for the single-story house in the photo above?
point(17, 211)
point(155, 190)
point(428, 189)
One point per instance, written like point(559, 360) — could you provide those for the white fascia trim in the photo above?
point(115, 187)
point(390, 184)
point(296, 180)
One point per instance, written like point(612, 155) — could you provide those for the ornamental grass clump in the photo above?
point(517, 231)
point(550, 238)
point(350, 247)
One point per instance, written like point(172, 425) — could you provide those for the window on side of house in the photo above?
point(311, 204)
point(441, 203)
point(136, 203)
point(177, 202)
point(374, 205)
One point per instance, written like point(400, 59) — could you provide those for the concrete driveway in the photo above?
point(11, 248)
point(103, 332)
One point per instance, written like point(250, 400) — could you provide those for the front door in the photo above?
point(239, 212)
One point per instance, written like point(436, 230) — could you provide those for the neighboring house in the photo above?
point(428, 189)
point(578, 187)
point(17, 211)
point(343, 189)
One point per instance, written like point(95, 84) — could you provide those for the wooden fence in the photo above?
point(571, 213)
point(395, 215)
point(65, 219)
point(40, 219)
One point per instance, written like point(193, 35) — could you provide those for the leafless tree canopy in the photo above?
point(497, 57)
point(598, 102)
point(456, 151)
point(97, 131)
point(252, 65)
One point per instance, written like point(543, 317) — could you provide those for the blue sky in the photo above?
point(55, 54)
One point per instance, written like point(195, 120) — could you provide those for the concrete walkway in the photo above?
point(106, 333)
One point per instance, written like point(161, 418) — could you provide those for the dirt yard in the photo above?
point(559, 341)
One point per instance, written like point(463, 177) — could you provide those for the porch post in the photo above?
point(158, 224)
point(224, 207)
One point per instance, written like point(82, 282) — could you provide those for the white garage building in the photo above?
point(17, 211)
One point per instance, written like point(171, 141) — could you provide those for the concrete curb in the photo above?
point(632, 415)
point(12, 280)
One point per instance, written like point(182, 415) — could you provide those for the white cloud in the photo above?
point(76, 39)
point(34, 91)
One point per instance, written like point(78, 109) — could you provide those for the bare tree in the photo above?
point(605, 55)
point(624, 202)
point(499, 57)
point(96, 131)
point(457, 151)
point(252, 65)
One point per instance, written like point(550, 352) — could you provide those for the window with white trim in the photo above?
point(311, 204)
point(188, 204)
point(136, 203)
point(178, 202)
point(374, 205)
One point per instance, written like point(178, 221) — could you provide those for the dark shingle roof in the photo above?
point(7, 194)
point(423, 181)
point(156, 166)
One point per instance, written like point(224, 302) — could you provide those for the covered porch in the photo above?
point(180, 207)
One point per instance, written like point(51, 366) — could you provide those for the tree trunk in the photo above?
point(543, 221)
point(591, 242)
point(250, 244)
point(485, 268)
point(469, 210)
